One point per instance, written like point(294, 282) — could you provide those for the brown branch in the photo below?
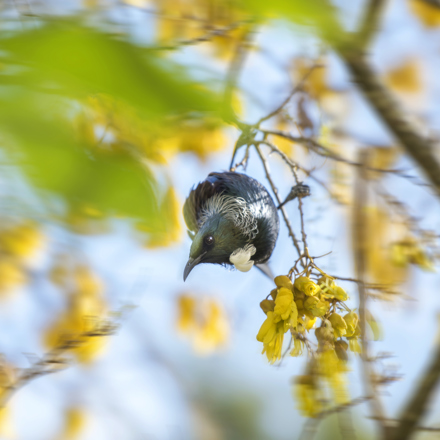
point(53, 361)
point(417, 405)
point(360, 241)
point(370, 22)
point(434, 3)
point(420, 148)
point(311, 426)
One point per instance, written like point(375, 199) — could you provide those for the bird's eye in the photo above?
point(209, 240)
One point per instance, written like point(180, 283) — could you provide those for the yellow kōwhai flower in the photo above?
point(316, 306)
point(274, 347)
point(307, 286)
point(283, 281)
point(283, 303)
point(298, 347)
point(268, 329)
point(308, 396)
point(329, 289)
point(338, 324)
point(351, 319)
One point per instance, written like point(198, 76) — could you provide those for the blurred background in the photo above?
point(110, 112)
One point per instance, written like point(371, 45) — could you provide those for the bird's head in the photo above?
point(214, 243)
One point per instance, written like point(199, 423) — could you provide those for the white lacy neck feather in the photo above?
point(241, 258)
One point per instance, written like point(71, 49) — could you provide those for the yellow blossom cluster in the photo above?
point(204, 322)
point(20, 242)
point(295, 307)
point(86, 308)
point(112, 127)
point(392, 247)
point(324, 381)
point(408, 251)
point(179, 20)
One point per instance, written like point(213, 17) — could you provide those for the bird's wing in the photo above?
point(198, 196)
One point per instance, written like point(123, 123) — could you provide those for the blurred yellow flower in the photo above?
point(316, 82)
point(308, 396)
point(12, 275)
point(204, 322)
point(405, 77)
point(7, 430)
point(428, 14)
point(186, 320)
point(86, 308)
point(169, 229)
point(74, 422)
point(21, 240)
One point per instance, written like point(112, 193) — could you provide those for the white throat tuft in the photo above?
point(241, 258)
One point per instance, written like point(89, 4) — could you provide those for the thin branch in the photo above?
point(360, 241)
point(311, 426)
point(417, 405)
point(296, 89)
point(420, 148)
point(53, 361)
point(324, 151)
point(275, 191)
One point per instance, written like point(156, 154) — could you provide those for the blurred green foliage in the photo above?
point(46, 74)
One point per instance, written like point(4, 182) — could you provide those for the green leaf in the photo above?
point(46, 74)
point(45, 147)
point(320, 15)
point(73, 60)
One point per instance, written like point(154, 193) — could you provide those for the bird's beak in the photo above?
point(192, 262)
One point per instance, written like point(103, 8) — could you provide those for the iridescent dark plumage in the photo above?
point(226, 213)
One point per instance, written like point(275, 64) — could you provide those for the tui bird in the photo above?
point(232, 220)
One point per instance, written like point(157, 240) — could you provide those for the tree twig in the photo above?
point(53, 361)
point(296, 89)
point(275, 191)
point(417, 405)
point(360, 241)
